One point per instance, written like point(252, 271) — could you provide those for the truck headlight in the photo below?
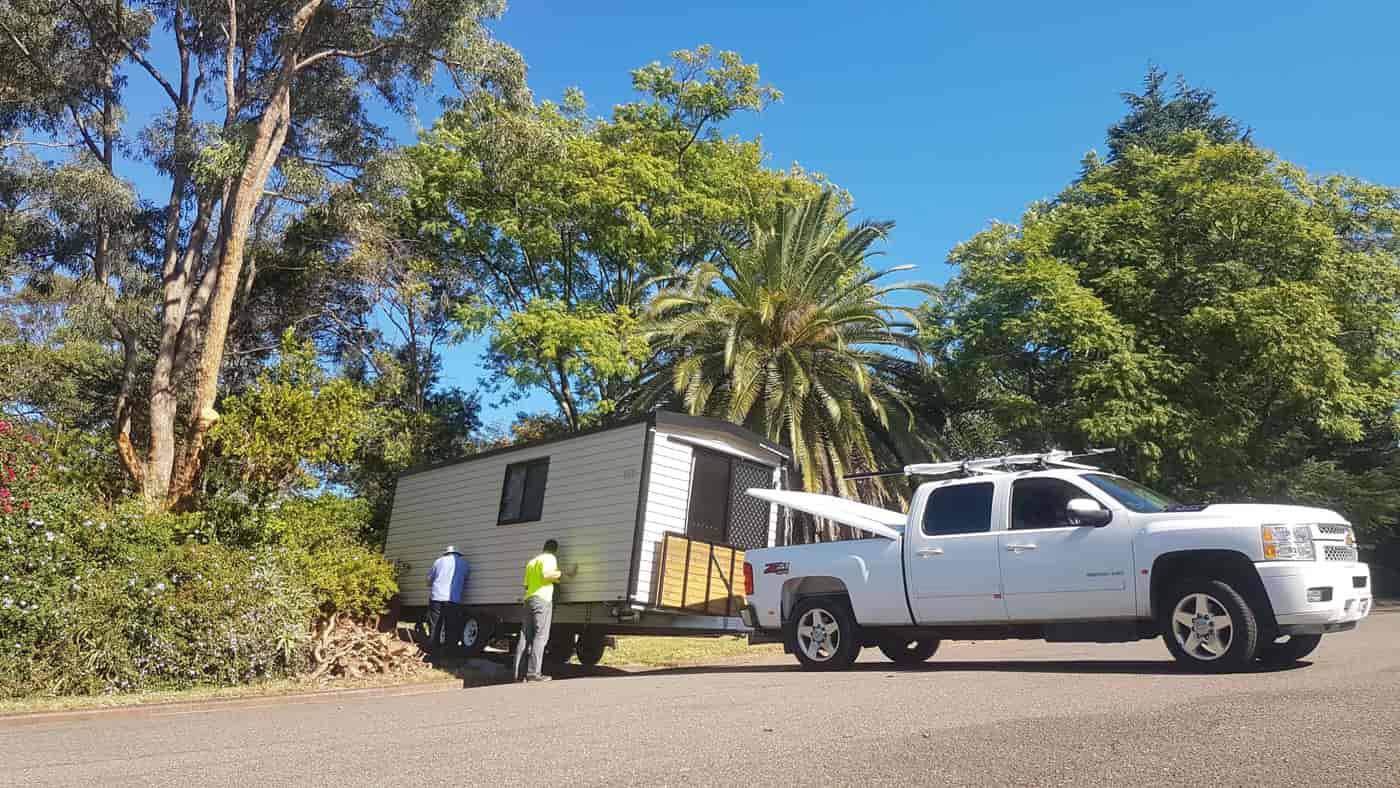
point(1287, 542)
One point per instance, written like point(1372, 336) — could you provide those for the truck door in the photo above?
point(951, 558)
point(1052, 569)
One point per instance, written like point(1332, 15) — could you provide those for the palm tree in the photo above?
point(794, 338)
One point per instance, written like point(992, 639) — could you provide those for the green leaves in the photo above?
point(789, 338)
point(1208, 308)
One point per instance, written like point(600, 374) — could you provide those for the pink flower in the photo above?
point(7, 507)
point(4, 493)
point(4, 426)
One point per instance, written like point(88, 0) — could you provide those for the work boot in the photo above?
point(540, 677)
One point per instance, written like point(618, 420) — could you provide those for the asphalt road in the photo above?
point(982, 713)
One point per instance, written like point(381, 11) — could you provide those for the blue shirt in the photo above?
point(448, 577)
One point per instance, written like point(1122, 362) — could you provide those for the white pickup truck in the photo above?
point(1063, 552)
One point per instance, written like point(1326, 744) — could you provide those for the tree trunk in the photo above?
point(244, 199)
point(240, 204)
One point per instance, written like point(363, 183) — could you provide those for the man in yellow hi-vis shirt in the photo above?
point(541, 573)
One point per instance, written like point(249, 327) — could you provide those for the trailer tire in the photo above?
point(822, 633)
point(908, 651)
point(590, 648)
point(477, 631)
point(560, 646)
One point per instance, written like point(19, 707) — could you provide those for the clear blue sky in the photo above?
point(946, 116)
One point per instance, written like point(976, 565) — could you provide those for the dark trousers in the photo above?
point(534, 634)
point(443, 626)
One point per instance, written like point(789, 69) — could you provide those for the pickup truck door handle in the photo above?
point(929, 551)
point(1016, 548)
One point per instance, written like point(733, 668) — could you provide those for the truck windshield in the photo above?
point(1131, 494)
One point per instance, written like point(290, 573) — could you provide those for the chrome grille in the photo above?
point(1333, 530)
point(1337, 552)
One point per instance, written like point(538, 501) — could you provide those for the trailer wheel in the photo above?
point(908, 651)
point(477, 630)
point(823, 634)
point(560, 646)
point(590, 648)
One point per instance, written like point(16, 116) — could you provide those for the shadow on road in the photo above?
point(1086, 667)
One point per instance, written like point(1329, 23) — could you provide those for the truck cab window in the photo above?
point(1042, 503)
point(960, 509)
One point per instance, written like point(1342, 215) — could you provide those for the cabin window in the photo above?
point(522, 495)
point(720, 511)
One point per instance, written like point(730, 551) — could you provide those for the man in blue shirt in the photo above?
point(446, 582)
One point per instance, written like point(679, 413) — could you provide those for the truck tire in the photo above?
point(823, 634)
point(477, 631)
point(1208, 626)
point(590, 648)
point(908, 651)
point(1289, 651)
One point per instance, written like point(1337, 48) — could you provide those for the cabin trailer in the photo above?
point(652, 512)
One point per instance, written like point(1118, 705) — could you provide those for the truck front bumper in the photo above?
point(1341, 590)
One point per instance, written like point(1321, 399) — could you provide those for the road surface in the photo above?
point(980, 713)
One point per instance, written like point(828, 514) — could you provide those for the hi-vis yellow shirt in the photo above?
point(535, 582)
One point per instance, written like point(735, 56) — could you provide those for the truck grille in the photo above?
point(1337, 552)
point(1333, 530)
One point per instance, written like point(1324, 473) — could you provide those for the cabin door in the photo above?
point(720, 511)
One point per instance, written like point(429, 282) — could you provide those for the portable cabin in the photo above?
point(651, 511)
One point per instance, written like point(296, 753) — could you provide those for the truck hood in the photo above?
point(871, 519)
point(1258, 513)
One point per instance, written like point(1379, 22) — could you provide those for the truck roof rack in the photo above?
point(988, 466)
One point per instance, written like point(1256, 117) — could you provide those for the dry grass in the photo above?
point(673, 651)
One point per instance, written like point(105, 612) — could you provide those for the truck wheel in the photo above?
point(477, 630)
point(1208, 625)
point(823, 634)
point(1296, 647)
point(907, 651)
point(590, 648)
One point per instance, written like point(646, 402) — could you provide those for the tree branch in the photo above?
point(134, 55)
point(346, 53)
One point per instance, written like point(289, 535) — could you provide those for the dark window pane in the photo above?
point(962, 509)
point(709, 497)
point(522, 495)
point(1042, 503)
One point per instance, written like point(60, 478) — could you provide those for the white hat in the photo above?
point(450, 549)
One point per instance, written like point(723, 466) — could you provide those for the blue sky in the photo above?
point(944, 117)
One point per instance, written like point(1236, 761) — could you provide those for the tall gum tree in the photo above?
point(260, 99)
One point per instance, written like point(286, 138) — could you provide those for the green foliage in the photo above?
point(98, 597)
point(294, 419)
point(584, 346)
point(1153, 118)
point(558, 215)
point(790, 339)
point(321, 540)
point(1223, 318)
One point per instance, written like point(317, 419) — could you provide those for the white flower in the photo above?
point(160, 586)
point(49, 536)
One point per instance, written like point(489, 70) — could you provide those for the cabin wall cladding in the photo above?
point(668, 497)
point(590, 506)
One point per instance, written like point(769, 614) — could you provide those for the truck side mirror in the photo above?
point(1087, 511)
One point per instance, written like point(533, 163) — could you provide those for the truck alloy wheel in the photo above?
point(1209, 625)
point(1202, 627)
point(822, 634)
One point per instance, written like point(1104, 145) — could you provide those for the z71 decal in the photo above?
point(776, 568)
